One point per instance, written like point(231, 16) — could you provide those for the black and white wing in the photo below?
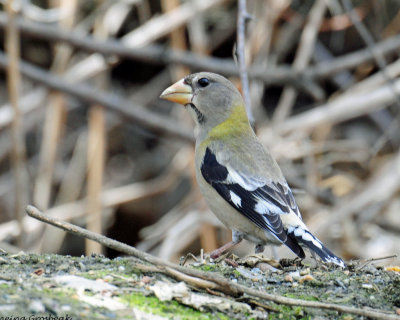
point(262, 203)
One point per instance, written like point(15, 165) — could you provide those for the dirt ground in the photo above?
point(95, 287)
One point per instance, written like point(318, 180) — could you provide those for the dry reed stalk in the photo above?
point(70, 189)
point(96, 153)
point(56, 114)
point(53, 125)
point(18, 154)
point(177, 38)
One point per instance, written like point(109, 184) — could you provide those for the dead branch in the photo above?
point(150, 54)
point(113, 102)
point(366, 36)
point(161, 55)
point(343, 108)
point(326, 69)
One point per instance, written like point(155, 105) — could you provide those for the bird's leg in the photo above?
point(218, 252)
point(237, 237)
point(259, 248)
point(313, 255)
point(274, 253)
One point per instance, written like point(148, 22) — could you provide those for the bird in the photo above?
point(238, 177)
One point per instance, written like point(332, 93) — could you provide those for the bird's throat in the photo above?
point(201, 119)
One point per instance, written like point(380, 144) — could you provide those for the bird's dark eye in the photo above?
point(203, 82)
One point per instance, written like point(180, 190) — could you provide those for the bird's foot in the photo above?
point(291, 262)
point(274, 253)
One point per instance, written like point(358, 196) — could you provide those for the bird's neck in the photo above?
point(235, 125)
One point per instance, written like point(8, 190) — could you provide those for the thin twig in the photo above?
point(382, 258)
point(194, 281)
point(375, 259)
point(240, 49)
point(180, 276)
point(223, 284)
point(392, 256)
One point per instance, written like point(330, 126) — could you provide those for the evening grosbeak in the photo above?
point(238, 177)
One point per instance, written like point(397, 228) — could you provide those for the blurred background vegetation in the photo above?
point(84, 137)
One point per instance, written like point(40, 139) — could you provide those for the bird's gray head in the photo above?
point(209, 97)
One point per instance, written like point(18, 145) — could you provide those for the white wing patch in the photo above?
point(235, 199)
point(263, 207)
point(298, 232)
point(305, 235)
point(247, 184)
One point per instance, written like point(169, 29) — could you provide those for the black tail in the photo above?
point(293, 245)
point(309, 240)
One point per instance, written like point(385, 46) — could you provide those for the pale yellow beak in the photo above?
point(179, 92)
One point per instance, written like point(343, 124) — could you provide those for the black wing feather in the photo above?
point(216, 175)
